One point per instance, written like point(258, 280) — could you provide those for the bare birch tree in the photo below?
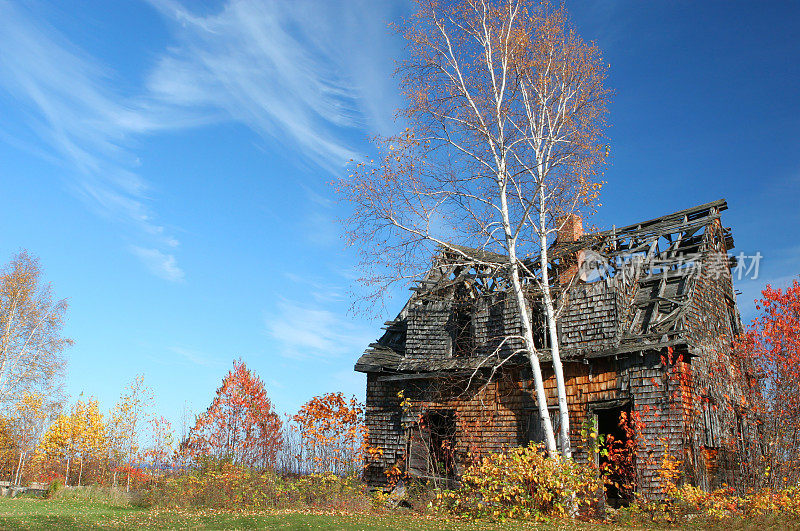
point(506, 121)
point(133, 411)
point(31, 344)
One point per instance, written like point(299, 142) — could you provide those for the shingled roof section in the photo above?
point(652, 266)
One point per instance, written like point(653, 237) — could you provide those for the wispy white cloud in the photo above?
point(279, 67)
point(160, 264)
point(321, 291)
point(68, 103)
point(195, 357)
point(317, 199)
point(299, 73)
point(306, 331)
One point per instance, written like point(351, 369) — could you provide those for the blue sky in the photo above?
point(169, 162)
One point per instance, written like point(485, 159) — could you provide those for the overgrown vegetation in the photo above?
point(224, 484)
point(94, 494)
point(312, 461)
point(691, 505)
point(523, 483)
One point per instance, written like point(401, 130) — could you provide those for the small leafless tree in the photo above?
point(31, 344)
point(506, 113)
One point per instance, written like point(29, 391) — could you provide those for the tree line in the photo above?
point(78, 445)
point(44, 438)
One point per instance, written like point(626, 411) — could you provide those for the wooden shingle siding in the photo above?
point(654, 336)
point(590, 322)
point(498, 417)
point(427, 334)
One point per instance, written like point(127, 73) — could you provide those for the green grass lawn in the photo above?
point(28, 513)
point(22, 513)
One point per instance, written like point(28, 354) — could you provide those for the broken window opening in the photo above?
point(535, 432)
point(538, 321)
point(711, 436)
point(461, 332)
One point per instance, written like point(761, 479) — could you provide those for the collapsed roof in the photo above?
point(632, 292)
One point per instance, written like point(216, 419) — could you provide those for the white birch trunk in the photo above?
point(22, 467)
point(523, 113)
point(561, 388)
point(538, 382)
point(19, 466)
point(522, 309)
point(550, 314)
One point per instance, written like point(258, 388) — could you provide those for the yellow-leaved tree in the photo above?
point(79, 436)
point(8, 449)
point(91, 433)
point(30, 414)
point(58, 442)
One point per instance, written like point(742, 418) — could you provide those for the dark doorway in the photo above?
point(442, 426)
point(616, 458)
point(432, 441)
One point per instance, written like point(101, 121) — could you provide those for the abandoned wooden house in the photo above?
point(647, 316)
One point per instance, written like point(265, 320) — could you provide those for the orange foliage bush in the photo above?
point(332, 434)
point(770, 354)
point(239, 424)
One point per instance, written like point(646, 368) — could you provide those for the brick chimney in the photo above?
point(570, 230)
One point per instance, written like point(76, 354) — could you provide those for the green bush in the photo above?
point(107, 495)
point(523, 483)
point(53, 488)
